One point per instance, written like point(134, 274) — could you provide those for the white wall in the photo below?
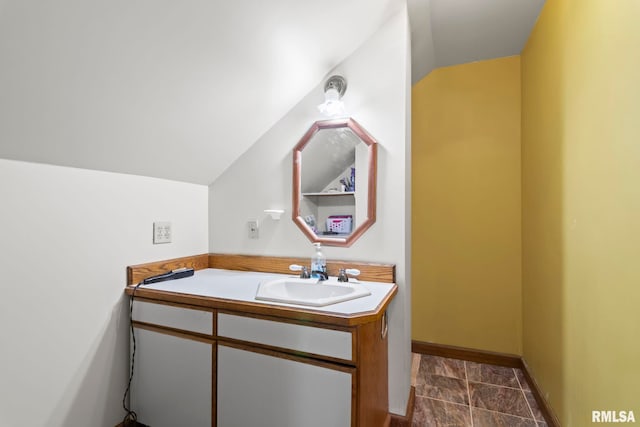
point(67, 236)
point(378, 98)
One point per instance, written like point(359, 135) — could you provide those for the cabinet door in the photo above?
point(172, 381)
point(256, 389)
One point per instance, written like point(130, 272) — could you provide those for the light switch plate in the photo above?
point(161, 232)
point(252, 225)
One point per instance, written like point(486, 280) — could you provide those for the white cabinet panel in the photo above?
point(325, 342)
point(260, 390)
point(172, 381)
point(174, 317)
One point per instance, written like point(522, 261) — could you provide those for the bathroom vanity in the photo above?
point(209, 354)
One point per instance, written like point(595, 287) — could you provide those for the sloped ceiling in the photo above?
point(450, 32)
point(180, 89)
point(164, 88)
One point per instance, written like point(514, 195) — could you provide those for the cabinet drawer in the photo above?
point(309, 339)
point(174, 317)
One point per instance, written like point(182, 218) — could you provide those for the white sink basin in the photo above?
point(309, 291)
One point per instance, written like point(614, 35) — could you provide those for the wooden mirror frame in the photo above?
point(372, 145)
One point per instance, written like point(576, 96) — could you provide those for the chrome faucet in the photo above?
point(322, 275)
point(304, 273)
point(343, 276)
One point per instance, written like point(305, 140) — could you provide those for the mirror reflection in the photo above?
point(333, 166)
point(333, 178)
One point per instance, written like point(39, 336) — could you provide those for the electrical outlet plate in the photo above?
point(252, 225)
point(161, 232)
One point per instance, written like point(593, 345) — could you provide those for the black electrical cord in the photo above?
point(131, 416)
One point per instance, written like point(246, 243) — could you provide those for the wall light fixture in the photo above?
point(334, 89)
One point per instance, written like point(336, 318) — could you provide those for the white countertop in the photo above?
point(243, 285)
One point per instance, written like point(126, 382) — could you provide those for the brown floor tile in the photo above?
point(441, 366)
point(500, 396)
point(534, 406)
point(443, 388)
point(522, 380)
point(490, 374)
point(502, 399)
point(435, 413)
point(484, 418)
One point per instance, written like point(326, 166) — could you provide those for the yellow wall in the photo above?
point(466, 206)
point(581, 206)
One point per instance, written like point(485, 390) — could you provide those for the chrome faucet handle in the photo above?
point(304, 272)
point(295, 267)
point(344, 273)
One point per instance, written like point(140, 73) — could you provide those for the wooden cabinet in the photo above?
point(226, 368)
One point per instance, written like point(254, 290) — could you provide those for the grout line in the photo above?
point(466, 379)
point(525, 399)
point(493, 384)
point(517, 379)
point(443, 401)
point(505, 413)
point(496, 385)
point(426, 396)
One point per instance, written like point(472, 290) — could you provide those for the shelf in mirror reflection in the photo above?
point(331, 193)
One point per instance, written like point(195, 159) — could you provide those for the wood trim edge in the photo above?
point(369, 271)
point(137, 273)
point(296, 357)
point(407, 419)
point(310, 358)
point(472, 355)
point(179, 333)
point(280, 312)
point(547, 412)
point(491, 358)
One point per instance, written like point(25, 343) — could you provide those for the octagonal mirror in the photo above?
point(334, 182)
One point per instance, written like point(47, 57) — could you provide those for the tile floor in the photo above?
point(457, 393)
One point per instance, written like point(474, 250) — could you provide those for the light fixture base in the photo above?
point(338, 83)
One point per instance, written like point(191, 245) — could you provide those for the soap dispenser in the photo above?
point(319, 263)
